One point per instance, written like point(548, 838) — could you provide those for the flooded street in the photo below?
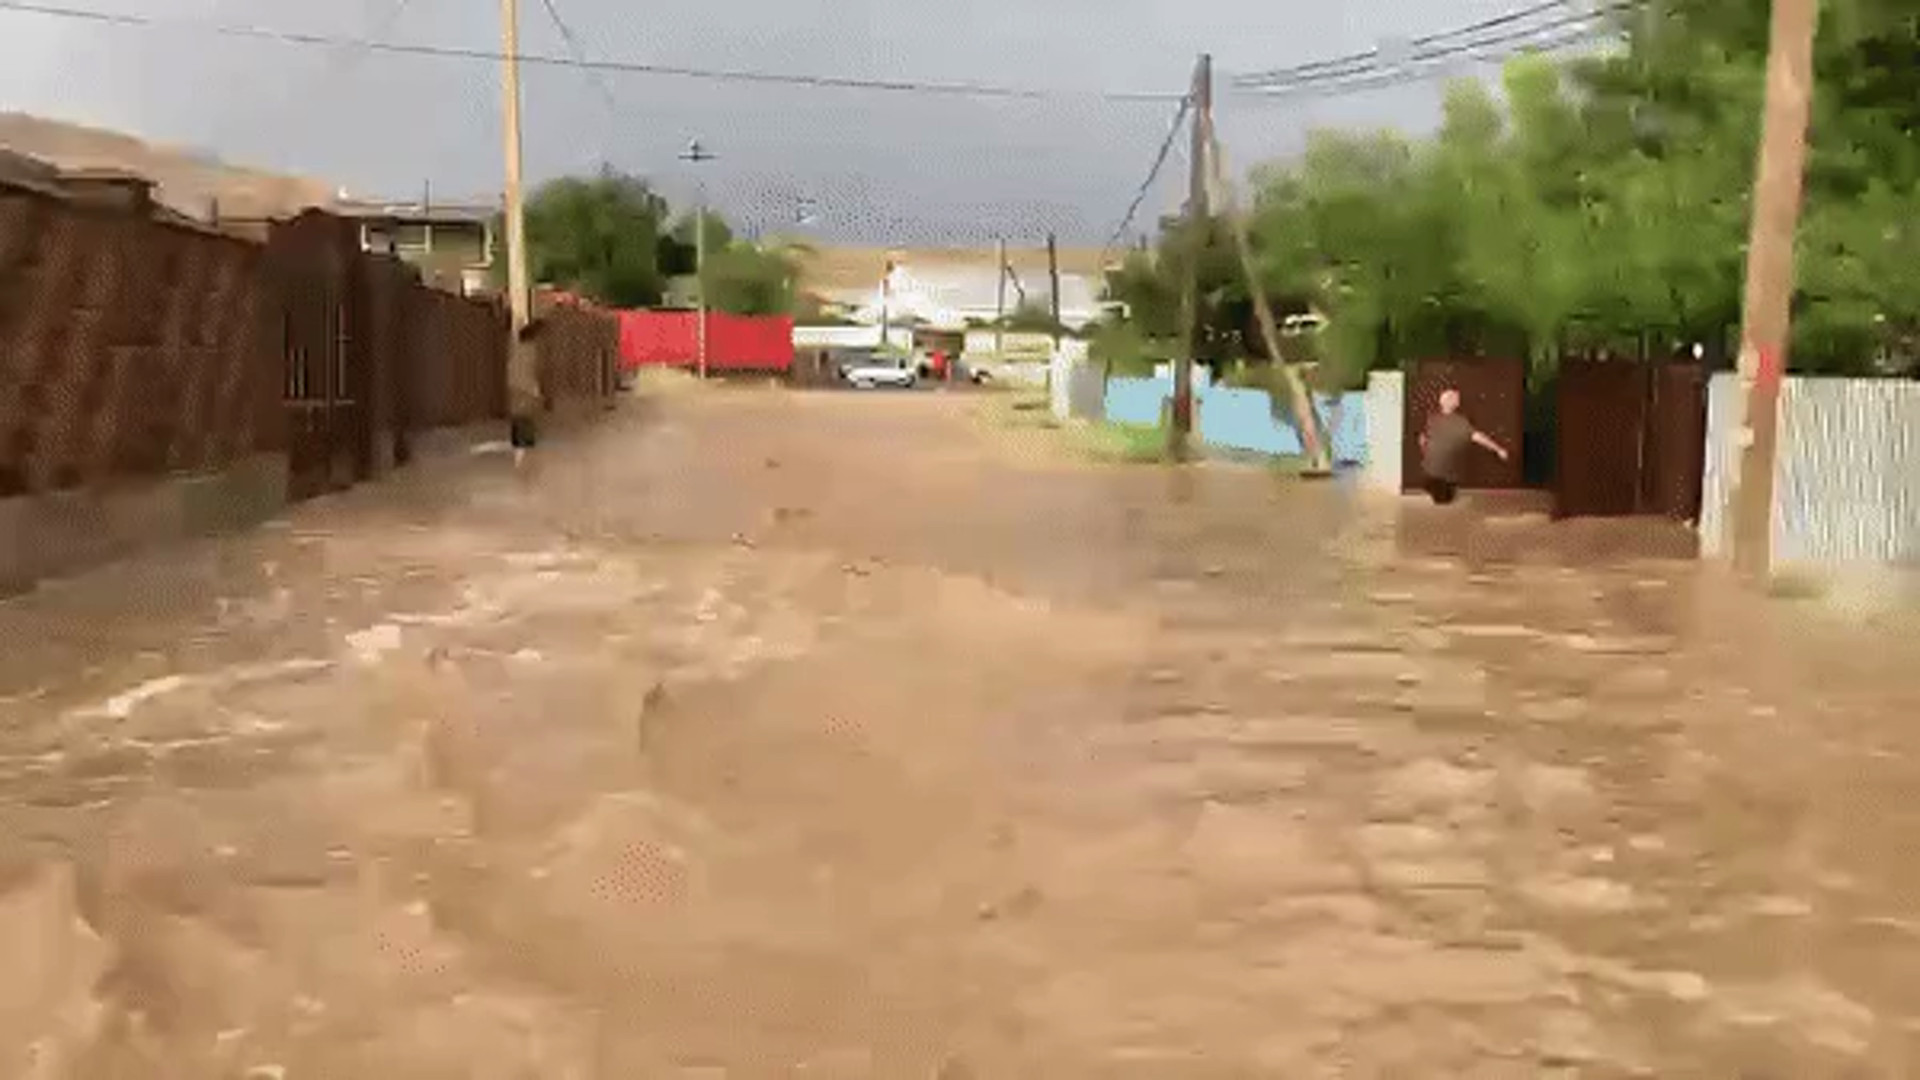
point(758, 734)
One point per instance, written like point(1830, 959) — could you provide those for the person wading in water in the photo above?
point(1443, 448)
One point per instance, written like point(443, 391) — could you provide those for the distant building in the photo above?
point(955, 297)
point(453, 245)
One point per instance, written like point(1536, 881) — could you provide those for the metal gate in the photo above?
point(1631, 438)
point(327, 378)
point(1493, 394)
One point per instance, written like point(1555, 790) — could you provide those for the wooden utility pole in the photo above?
point(1767, 319)
point(1181, 424)
point(1304, 418)
point(1000, 306)
point(695, 154)
point(1053, 284)
point(700, 276)
point(523, 379)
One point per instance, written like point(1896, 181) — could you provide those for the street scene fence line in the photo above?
point(161, 378)
point(1847, 480)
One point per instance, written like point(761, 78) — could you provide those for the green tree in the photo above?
point(1151, 285)
point(1606, 200)
point(678, 247)
point(599, 237)
point(746, 278)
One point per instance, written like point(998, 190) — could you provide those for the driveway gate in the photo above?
point(1631, 439)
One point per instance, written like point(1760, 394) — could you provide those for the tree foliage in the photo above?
point(752, 279)
point(598, 236)
point(1597, 202)
point(613, 239)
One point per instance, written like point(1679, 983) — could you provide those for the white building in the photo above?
point(952, 297)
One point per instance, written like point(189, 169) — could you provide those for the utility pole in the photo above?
point(1319, 459)
point(1000, 304)
point(1053, 280)
point(700, 275)
point(523, 378)
point(695, 154)
point(886, 302)
point(1196, 227)
point(1767, 318)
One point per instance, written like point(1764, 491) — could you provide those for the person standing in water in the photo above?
point(1444, 443)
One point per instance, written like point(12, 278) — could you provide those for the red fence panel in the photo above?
point(734, 342)
point(657, 338)
point(749, 343)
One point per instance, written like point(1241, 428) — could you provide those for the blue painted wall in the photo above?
point(1240, 419)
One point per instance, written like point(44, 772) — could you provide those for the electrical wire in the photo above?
point(339, 63)
point(579, 55)
point(1370, 57)
point(1432, 46)
point(456, 52)
point(1436, 62)
point(1153, 173)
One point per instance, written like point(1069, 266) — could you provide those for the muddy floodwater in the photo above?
point(757, 734)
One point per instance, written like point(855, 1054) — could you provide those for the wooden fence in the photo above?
point(579, 351)
point(133, 347)
point(128, 346)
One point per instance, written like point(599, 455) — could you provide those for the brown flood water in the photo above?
point(769, 735)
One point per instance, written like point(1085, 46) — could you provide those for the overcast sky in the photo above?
point(875, 167)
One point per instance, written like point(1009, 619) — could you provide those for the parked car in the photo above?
point(866, 374)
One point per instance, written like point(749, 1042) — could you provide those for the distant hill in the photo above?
point(834, 269)
point(188, 181)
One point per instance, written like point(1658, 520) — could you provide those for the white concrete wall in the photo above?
point(1072, 352)
point(1020, 345)
point(840, 337)
point(1846, 479)
point(1386, 430)
point(1716, 482)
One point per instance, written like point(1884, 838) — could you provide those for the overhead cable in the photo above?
point(1153, 173)
point(458, 52)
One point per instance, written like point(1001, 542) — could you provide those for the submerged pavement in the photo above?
point(762, 734)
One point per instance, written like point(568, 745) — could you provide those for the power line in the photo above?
point(1153, 173)
point(1383, 80)
point(1426, 65)
point(1368, 57)
point(455, 52)
point(1527, 39)
point(343, 59)
point(579, 55)
point(1433, 46)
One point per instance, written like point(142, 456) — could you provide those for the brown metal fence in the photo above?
point(1676, 458)
point(579, 350)
point(458, 361)
point(1492, 395)
point(128, 346)
point(310, 263)
point(132, 347)
point(1631, 438)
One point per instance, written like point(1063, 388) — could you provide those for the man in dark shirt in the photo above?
point(1444, 444)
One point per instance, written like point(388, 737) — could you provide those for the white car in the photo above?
point(880, 371)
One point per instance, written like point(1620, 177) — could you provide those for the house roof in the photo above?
point(466, 213)
point(951, 295)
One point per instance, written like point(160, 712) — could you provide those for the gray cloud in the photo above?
point(873, 166)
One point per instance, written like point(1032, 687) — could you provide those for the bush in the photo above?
point(1124, 351)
